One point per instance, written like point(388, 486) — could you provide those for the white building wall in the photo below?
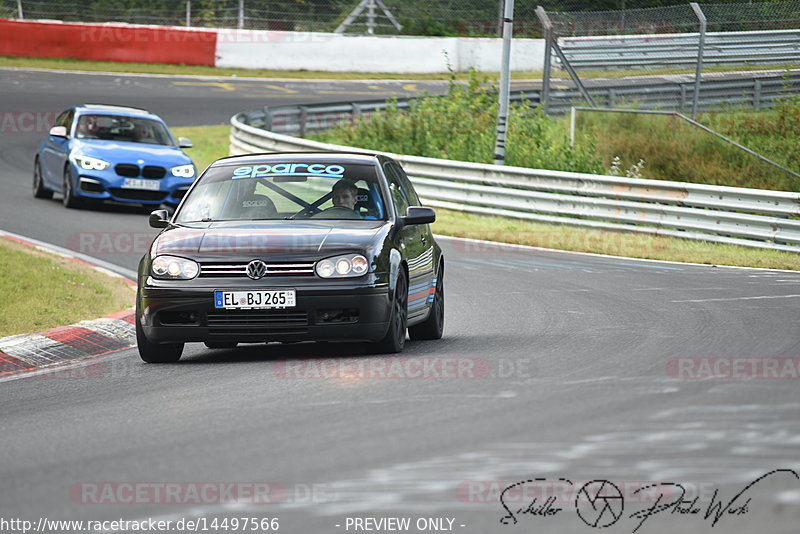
point(357, 53)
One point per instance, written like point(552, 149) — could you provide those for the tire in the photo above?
point(220, 345)
point(39, 190)
point(433, 326)
point(154, 353)
point(70, 200)
point(395, 338)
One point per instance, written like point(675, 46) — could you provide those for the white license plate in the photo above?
point(252, 300)
point(140, 183)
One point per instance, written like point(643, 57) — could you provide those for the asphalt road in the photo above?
point(553, 365)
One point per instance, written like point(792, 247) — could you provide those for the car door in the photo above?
point(415, 242)
point(55, 153)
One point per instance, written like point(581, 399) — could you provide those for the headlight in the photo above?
point(91, 164)
point(174, 268)
point(342, 266)
point(183, 171)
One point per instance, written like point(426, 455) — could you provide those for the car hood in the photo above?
point(277, 240)
point(122, 152)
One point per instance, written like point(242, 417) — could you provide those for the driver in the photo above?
point(87, 127)
point(344, 194)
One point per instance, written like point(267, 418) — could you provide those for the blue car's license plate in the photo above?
point(141, 183)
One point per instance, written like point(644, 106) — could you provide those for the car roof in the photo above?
point(109, 109)
point(340, 157)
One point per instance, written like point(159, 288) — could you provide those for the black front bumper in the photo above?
point(174, 314)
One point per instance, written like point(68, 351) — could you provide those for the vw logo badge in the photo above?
point(256, 269)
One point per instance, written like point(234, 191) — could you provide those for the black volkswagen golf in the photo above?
point(289, 247)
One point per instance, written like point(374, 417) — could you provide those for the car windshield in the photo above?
point(285, 190)
point(120, 128)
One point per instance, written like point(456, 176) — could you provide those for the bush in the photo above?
point(461, 126)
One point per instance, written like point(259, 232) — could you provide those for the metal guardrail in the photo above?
point(757, 90)
point(680, 50)
point(749, 217)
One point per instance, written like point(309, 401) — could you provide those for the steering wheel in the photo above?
point(336, 212)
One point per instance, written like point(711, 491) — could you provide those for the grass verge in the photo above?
point(211, 142)
point(196, 70)
point(40, 290)
point(631, 244)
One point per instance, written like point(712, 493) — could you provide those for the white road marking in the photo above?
point(742, 298)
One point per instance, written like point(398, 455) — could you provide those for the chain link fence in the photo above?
point(470, 18)
point(682, 57)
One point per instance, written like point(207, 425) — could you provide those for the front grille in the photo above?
point(258, 322)
point(127, 169)
point(152, 171)
point(233, 270)
point(137, 194)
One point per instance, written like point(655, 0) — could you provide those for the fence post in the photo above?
point(757, 95)
point(505, 86)
point(548, 52)
point(20, 14)
point(240, 15)
point(188, 13)
point(702, 18)
point(371, 17)
point(303, 120)
point(267, 118)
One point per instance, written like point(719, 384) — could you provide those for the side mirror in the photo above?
point(159, 219)
point(185, 142)
point(58, 131)
point(419, 215)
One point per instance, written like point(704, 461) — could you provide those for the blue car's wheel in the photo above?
point(39, 190)
point(70, 200)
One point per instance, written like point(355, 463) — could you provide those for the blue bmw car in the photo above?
point(97, 152)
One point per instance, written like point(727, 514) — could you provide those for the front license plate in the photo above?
point(140, 183)
point(250, 300)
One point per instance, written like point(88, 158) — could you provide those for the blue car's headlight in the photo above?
point(183, 171)
point(91, 164)
point(174, 268)
point(342, 266)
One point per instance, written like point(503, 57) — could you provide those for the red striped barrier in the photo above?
point(108, 42)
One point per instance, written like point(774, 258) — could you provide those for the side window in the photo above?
point(68, 120)
point(405, 183)
point(62, 119)
point(399, 196)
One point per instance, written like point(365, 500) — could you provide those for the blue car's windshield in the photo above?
point(120, 128)
point(290, 190)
